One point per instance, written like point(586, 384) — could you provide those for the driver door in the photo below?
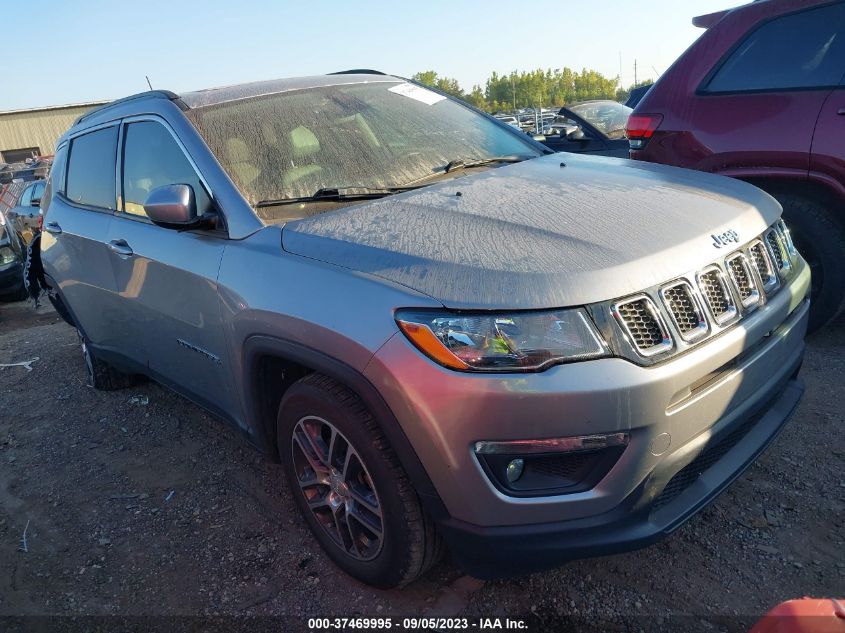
point(166, 279)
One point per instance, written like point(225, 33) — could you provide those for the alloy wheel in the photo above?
point(337, 487)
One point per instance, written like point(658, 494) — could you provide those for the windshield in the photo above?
point(377, 135)
point(609, 117)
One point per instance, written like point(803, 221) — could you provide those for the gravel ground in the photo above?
point(139, 503)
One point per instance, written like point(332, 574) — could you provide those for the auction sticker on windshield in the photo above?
point(416, 92)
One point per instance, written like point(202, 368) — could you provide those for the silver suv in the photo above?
point(446, 333)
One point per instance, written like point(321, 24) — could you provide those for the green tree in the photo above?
point(529, 89)
point(446, 84)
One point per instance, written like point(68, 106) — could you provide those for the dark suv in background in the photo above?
point(760, 97)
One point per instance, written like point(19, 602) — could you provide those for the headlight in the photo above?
point(7, 255)
point(527, 341)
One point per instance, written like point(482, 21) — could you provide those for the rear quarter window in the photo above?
point(91, 169)
point(796, 51)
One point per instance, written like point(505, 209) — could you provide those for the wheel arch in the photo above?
point(271, 365)
point(817, 187)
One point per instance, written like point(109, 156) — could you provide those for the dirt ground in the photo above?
point(138, 503)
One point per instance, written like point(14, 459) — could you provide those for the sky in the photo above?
point(73, 51)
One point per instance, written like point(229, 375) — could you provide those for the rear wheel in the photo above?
point(350, 487)
point(821, 241)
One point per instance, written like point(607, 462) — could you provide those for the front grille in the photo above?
point(716, 294)
point(764, 266)
point(773, 240)
point(685, 309)
point(743, 279)
point(644, 325)
point(668, 319)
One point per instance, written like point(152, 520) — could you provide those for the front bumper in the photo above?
point(641, 519)
point(673, 412)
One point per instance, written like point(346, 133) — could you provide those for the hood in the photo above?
point(555, 231)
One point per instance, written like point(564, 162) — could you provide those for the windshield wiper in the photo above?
point(464, 163)
point(333, 194)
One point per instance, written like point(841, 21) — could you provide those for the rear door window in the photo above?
point(796, 51)
point(91, 169)
point(152, 158)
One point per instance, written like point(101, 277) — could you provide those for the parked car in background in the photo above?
point(25, 217)
point(36, 169)
point(760, 97)
point(510, 120)
point(398, 297)
point(591, 127)
point(12, 257)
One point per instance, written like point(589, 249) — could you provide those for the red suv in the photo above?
point(760, 96)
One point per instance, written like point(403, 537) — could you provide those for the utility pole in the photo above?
point(635, 72)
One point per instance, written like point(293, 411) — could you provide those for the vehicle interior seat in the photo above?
point(238, 155)
point(304, 145)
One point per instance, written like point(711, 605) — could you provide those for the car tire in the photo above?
point(350, 487)
point(821, 241)
point(101, 375)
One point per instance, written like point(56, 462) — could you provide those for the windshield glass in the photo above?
point(376, 135)
point(609, 117)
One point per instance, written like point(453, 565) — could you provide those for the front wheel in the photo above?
point(102, 375)
point(350, 487)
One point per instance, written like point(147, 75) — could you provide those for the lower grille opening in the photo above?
point(711, 454)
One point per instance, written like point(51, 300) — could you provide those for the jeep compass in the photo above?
point(447, 334)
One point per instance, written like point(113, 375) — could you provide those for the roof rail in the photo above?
point(358, 71)
point(149, 94)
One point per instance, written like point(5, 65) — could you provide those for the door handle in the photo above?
point(121, 248)
point(53, 228)
point(841, 111)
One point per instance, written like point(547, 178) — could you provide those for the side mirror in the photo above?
point(577, 135)
point(174, 207)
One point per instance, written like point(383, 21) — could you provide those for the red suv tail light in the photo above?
point(641, 127)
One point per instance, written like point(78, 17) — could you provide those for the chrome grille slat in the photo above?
point(763, 265)
point(743, 279)
point(717, 295)
point(685, 309)
point(775, 250)
point(644, 325)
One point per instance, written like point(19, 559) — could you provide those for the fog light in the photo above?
point(514, 469)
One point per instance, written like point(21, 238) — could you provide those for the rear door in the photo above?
point(759, 105)
point(166, 280)
point(73, 247)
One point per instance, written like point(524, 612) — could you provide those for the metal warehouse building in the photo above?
point(34, 132)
